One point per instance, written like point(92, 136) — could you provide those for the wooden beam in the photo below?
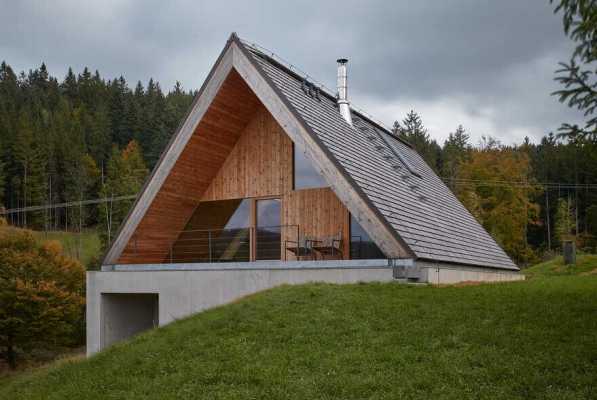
point(180, 139)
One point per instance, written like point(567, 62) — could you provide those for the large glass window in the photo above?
point(218, 231)
point(361, 245)
point(268, 230)
point(305, 175)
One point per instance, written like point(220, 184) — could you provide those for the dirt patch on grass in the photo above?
point(592, 272)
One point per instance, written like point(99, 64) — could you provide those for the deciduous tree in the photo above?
point(41, 294)
point(496, 185)
point(564, 224)
point(126, 173)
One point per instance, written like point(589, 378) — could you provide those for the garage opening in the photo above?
point(127, 314)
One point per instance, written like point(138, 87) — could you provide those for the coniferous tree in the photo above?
point(29, 173)
point(96, 126)
point(48, 128)
point(2, 181)
point(578, 75)
point(455, 152)
point(83, 116)
point(413, 131)
point(120, 108)
point(70, 87)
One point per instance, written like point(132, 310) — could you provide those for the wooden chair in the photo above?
point(302, 248)
point(329, 246)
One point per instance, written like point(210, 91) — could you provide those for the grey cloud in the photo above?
point(485, 61)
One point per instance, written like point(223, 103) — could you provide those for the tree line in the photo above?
point(84, 137)
point(529, 196)
point(87, 137)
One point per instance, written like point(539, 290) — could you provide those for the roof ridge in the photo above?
point(299, 74)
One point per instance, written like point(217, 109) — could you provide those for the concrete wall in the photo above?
point(124, 315)
point(184, 289)
point(183, 292)
point(441, 273)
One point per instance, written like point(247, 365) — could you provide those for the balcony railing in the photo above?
point(231, 245)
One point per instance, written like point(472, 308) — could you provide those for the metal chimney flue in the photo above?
point(343, 103)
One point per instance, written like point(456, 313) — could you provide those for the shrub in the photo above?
point(41, 294)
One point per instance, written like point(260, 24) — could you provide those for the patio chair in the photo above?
point(329, 246)
point(302, 248)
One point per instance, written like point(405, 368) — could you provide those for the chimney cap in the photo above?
point(342, 60)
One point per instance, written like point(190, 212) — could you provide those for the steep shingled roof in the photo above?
point(395, 179)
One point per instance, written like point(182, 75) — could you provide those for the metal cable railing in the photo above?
point(278, 242)
point(226, 245)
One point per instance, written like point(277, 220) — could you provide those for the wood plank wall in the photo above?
point(259, 165)
point(237, 151)
point(214, 138)
point(318, 213)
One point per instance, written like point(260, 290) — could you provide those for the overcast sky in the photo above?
point(488, 65)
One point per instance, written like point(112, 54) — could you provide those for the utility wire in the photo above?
point(69, 204)
point(457, 181)
point(561, 185)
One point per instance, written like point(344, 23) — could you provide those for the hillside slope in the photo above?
point(532, 339)
point(586, 264)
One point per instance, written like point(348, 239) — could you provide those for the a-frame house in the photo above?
point(270, 174)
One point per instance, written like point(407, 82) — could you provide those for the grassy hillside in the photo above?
point(586, 264)
point(84, 247)
point(533, 339)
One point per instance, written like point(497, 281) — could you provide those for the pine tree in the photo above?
point(577, 77)
point(9, 101)
point(86, 88)
point(455, 152)
point(70, 87)
point(155, 132)
point(413, 131)
point(29, 177)
point(120, 100)
point(96, 126)
point(178, 103)
point(2, 180)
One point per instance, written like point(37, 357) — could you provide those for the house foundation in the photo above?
point(124, 300)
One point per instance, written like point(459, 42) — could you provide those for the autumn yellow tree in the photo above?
point(41, 294)
point(495, 184)
point(125, 175)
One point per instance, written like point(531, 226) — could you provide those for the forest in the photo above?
point(65, 144)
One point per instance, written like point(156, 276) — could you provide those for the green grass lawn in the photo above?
point(85, 246)
point(534, 339)
point(586, 264)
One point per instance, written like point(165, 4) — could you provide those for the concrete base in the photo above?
point(125, 315)
point(184, 289)
point(442, 273)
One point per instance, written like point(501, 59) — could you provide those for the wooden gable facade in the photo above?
point(238, 151)
point(236, 143)
point(235, 151)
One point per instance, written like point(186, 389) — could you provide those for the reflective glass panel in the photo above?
point(268, 230)
point(218, 231)
point(361, 245)
point(305, 175)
